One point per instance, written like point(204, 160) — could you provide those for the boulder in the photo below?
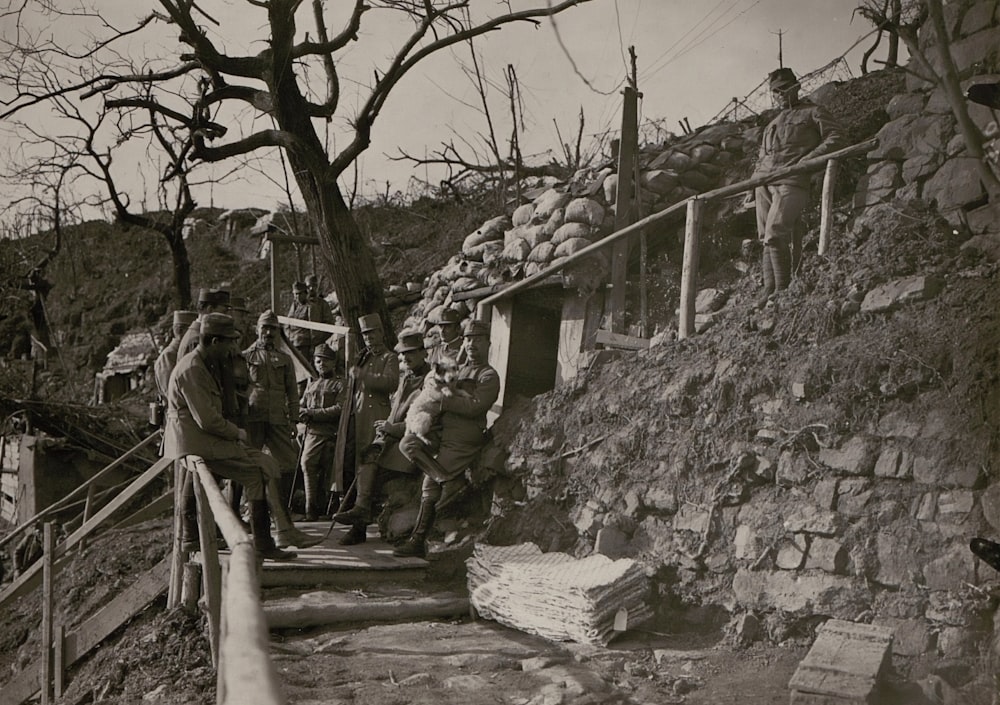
point(818, 593)
point(894, 463)
point(901, 291)
point(696, 180)
point(990, 501)
point(931, 471)
point(856, 457)
point(912, 135)
point(792, 552)
point(703, 153)
point(809, 519)
point(956, 184)
point(828, 555)
point(951, 570)
point(906, 104)
point(659, 181)
point(709, 300)
point(920, 166)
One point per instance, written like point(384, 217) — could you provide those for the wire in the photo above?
point(576, 70)
point(683, 36)
point(621, 41)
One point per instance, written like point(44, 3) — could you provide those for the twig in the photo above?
point(584, 447)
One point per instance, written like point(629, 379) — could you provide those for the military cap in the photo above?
point(782, 78)
point(473, 327)
point(238, 303)
point(324, 350)
point(446, 315)
point(213, 297)
point(369, 322)
point(268, 319)
point(299, 286)
point(409, 340)
point(218, 325)
point(184, 318)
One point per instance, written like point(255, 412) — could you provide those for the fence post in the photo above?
point(48, 547)
point(689, 270)
point(826, 205)
point(177, 560)
point(211, 579)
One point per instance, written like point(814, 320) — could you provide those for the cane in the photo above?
point(343, 505)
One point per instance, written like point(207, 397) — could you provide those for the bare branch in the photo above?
point(326, 46)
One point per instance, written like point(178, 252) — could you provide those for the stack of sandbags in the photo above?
point(555, 595)
point(486, 243)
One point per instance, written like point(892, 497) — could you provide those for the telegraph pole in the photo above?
point(781, 62)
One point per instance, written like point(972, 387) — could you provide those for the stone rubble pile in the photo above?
point(555, 595)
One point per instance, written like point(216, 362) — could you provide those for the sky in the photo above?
point(692, 57)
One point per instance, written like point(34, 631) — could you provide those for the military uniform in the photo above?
point(312, 309)
point(321, 404)
point(273, 404)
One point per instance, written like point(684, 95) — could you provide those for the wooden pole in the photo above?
point(48, 547)
point(826, 205)
point(624, 206)
point(177, 559)
point(274, 278)
point(59, 660)
point(212, 583)
point(689, 270)
point(88, 510)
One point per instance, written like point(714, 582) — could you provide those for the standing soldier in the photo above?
point(371, 380)
point(272, 413)
point(209, 301)
point(309, 306)
point(167, 358)
point(448, 323)
point(463, 434)
point(321, 406)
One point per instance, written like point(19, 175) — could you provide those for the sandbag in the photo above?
point(611, 188)
point(522, 214)
point(464, 284)
point(533, 268)
point(554, 222)
point(548, 202)
point(542, 252)
point(571, 246)
point(585, 210)
point(478, 238)
point(517, 250)
point(569, 231)
point(492, 251)
point(535, 235)
point(513, 234)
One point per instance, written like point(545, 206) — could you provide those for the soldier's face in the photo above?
point(326, 366)
point(448, 331)
point(785, 97)
point(267, 334)
point(412, 360)
point(373, 338)
point(477, 347)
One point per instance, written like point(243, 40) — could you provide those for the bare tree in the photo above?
point(273, 83)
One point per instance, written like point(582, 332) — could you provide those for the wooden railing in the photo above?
point(693, 206)
point(238, 631)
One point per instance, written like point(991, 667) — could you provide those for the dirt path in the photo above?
point(483, 663)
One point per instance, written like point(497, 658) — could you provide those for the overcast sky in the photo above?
point(693, 57)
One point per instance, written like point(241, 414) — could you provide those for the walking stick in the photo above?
point(348, 496)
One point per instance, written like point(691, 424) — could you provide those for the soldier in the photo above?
point(273, 410)
point(209, 301)
point(383, 455)
point(463, 434)
point(167, 358)
point(371, 380)
point(195, 426)
point(801, 131)
point(309, 306)
point(448, 323)
point(320, 409)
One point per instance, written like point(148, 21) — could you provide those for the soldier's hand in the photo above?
point(379, 426)
point(241, 436)
point(354, 372)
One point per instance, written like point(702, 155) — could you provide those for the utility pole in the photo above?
point(781, 61)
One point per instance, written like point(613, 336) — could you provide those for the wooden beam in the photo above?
point(689, 268)
point(211, 579)
point(628, 146)
point(48, 548)
point(30, 578)
point(313, 325)
point(618, 340)
point(293, 239)
point(177, 557)
point(158, 506)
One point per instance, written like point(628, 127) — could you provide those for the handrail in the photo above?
point(639, 225)
point(246, 674)
point(60, 503)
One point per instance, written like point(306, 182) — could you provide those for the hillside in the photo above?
point(829, 455)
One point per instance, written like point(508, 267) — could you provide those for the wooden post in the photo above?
point(212, 583)
point(689, 270)
point(177, 559)
point(59, 660)
point(826, 205)
point(191, 587)
point(274, 278)
point(624, 206)
point(88, 510)
point(48, 547)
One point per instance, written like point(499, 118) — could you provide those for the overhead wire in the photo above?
point(685, 35)
point(572, 62)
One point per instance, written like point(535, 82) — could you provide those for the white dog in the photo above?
point(425, 408)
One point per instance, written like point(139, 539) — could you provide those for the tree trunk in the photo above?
point(182, 270)
point(892, 58)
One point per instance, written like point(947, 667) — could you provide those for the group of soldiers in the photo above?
point(227, 403)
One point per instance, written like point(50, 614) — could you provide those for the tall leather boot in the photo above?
point(287, 535)
point(189, 516)
point(781, 264)
point(361, 512)
point(416, 545)
point(768, 271)
point(260, 521)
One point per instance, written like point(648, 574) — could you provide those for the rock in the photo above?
point(901, 291)
point(800, 391)
point(930, 471)
point(633, 503)
point(955, 506)
point(827, 554)
point(703, 153)
point(926, 506)
point(990, 501)
point(808, 519)
point(659, 181)
point(471, 682)
point(856, 457)
point(589, 519)
point(825, 493)
point(813, 593)
point(910, 637)
point(904, 104)
point(417, 679)
point(883, 179)
point(745, 543)
point(896, 566)
point(690, 518)
point(955, 185)
point(792, 552)
point(979, 16)
point(895, 425)
point(845, 664)
point(791, 470)
point(981, 48)
point(910, 135)
point(853, 495)
point(611, 542)
point(952, 570)
point(539, 662)
point(920, 166)
point(894, 463)
point(709, 300)
point(156, 695)
point(674, 161)
point(746, 629)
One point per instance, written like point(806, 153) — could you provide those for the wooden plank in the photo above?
point(313, 325)
point(689, 268)
point(628, 146)
point(176, 558)
point(48, 548)
point(158, 506)
point(58, 661)
point(92, 632)
point(31, 577)
point(619, 340)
